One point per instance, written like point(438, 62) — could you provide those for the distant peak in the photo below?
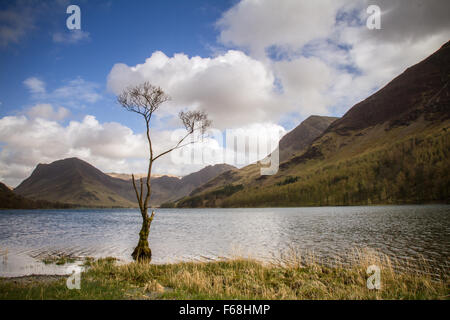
point(319, 117)
point(72, 159)
point(314, 116)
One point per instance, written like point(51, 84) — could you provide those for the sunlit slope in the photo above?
point(292, 143)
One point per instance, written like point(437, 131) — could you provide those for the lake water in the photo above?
point(404, 232)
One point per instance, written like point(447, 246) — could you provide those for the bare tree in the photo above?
point(145, 99)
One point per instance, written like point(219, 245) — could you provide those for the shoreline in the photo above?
point(431, 203)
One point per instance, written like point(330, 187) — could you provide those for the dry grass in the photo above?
point(290, 276)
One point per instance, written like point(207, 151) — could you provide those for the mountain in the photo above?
point(127, 176)
point(207, 173)
point(393, 147)
point(9, 187)
point(299, 138)
point(295, 141)
point(10, 200)
point(74, 181)
point(168, 188)
point(422, 89)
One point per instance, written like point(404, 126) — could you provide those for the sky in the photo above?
point(257, 67)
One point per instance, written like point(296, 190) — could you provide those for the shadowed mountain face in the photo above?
point(167, 188)
point(392, 147)
point(10, 200)
point(416, 100)
point(300, 138)
point(421, 89)
point(75, 181)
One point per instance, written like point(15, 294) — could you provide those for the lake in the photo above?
point(404, 232)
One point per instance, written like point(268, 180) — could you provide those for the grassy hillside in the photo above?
point(297, 140)
point(414, 170)
point(411, 171)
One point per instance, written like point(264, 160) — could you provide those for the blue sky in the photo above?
point(258, 66)
point(119, 31)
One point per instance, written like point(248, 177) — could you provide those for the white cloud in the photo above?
point(306, 82)
point(354, 61)
point(78, 90)
point(288, 24)
point(46, 111)
point(35, 85)
point(409, 21)
point(305, 57)
point(74, 93)
point(232, 88)
point(112, 147)
point(71, 37)
point(28, 141)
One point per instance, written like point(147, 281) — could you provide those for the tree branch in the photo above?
point(193, 121)
point(144, 99)
point(171, 149)
point(136, 191)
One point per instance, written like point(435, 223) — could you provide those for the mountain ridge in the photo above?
point(301, 136)
point(293, 142)
point(433, 71)
point(76, 182)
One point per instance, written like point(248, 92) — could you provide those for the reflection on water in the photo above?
point(404, 232)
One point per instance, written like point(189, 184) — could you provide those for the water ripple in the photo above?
point(404, 232)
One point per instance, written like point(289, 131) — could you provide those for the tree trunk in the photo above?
point(142, 252)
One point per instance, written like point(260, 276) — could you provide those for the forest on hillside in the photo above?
point(415, 170)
